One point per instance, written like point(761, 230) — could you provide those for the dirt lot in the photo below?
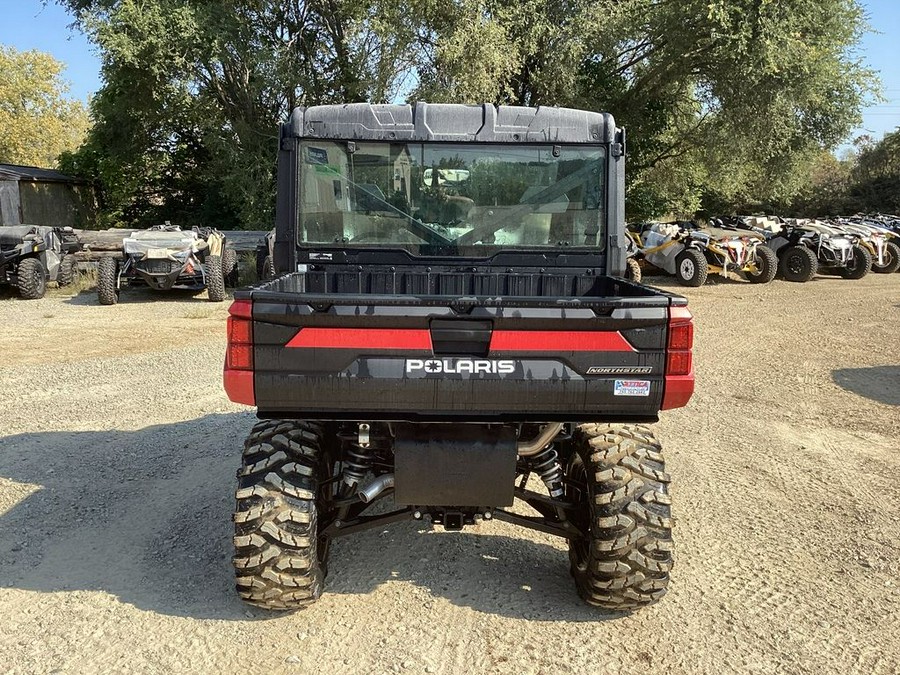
point(117, 459)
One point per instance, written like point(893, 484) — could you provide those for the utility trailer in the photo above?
point(448, 319)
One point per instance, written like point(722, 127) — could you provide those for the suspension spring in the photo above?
point(357, 462)
point(546, 465)
point(359, 455)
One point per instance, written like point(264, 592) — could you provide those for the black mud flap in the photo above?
point(454, 465)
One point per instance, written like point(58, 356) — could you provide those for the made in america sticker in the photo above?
point(632, 388)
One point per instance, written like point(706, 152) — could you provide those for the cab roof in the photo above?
point(451, 122)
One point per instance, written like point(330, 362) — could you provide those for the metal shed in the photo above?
point(34, 196)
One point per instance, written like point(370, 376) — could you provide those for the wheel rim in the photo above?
point(687, 268)
point(795, 263)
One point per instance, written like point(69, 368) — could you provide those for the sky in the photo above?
point(880, 50)
point(29, 24)
point(32, 24)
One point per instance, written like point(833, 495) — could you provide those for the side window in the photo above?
point(323, 194)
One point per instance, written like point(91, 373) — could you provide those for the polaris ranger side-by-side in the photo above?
point(448, 319)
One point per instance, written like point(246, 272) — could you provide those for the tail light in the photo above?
point(681, 340)
point(238, 375)
point(679, 383)
point(678, 363)
point(240, 336)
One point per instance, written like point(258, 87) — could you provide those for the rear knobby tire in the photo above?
point(107, 288)
point(215, 278)
point(891, 260)
point(691, 268)
point(798, 264)
point(624, 561)
point(65, 275)
point(230, 267)
point(31, 279)
point(268, 269)
point(633, 270)
point(279, 560)
point(766, 266)
point(859, 265)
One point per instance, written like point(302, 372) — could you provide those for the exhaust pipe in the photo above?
point(384, 482)
point(539, 442)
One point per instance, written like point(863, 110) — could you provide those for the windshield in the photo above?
point(446, 198)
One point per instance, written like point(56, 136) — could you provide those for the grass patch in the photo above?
point(201, 314)
point(247, 268)
point(84, 280)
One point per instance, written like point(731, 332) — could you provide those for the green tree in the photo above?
point(746, 93)
point(866, 179)
point(827, 190)
point(38, 121)
point(875, 178)
point(727, 102)
point(186, 122)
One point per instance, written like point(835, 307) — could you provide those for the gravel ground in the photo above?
point(117, 457)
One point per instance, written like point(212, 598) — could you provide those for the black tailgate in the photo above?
point(390, 357)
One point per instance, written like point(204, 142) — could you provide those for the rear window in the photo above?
point(448, 198)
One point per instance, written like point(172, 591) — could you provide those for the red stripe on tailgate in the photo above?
point(362, 338)
point(558, 341)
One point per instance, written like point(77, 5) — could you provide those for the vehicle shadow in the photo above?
point(879, 383)
point(671, 283)
point(134, 296)
point(490, 573)
point(146, 516)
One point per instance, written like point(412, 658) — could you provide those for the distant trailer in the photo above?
point(33, 196)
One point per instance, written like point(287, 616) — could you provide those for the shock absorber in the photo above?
point(546, 465)
point(358, 457)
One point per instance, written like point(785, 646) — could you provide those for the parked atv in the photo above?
point(796, 249)
point(805, 248)
point(837, 250)
point(32, 255)
point(882, 242)
point(166, 257)
point(691, 253)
